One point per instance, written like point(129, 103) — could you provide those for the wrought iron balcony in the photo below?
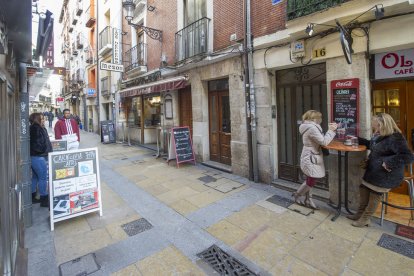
point(105, 86)
point(136, 57)
point(105, 40)
point(90, 56)
point(80, 76)
point(90, 16)
point(299, 8)
point(74, 50)
point(192, 40)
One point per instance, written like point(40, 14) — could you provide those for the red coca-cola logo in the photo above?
point(344, 83)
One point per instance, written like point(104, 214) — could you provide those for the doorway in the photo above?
point(186, 108)
point(397, 99)
point(298, 90)
point(220, 127)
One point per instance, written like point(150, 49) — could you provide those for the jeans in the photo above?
point(39, 174)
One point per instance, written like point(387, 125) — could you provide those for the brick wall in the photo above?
point(266, 18)
point(163, 18)
point(228, 19)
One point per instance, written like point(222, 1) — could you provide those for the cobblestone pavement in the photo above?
point(191, 208)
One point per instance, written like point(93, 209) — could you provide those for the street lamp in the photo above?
point(129, 7)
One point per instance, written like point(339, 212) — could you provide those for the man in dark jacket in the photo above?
point(50, 118)
point(67, 129)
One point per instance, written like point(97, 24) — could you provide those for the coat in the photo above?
point(61, 129)
point(394, 152)
point(39, 141)
point(311, 159)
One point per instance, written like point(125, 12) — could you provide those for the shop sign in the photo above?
point(91, 92)
point(398, 64)
point(116, 46)
point(59, 100)
point(111, 67)
point(50, 54)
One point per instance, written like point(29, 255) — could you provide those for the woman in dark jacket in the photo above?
point(40, 146)
point(384, 167)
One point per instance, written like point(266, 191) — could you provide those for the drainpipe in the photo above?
point(24, 169)
point(251, 92)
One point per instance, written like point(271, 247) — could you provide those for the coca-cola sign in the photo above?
point(398, 64)
point(345, 83)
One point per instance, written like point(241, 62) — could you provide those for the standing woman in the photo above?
point(311, 159)
point(384, 167)
point(40, 146)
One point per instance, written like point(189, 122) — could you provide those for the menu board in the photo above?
point(345, 107)
point(59, 145)
point(108, 132)
point(74, 184)
point(182, 145)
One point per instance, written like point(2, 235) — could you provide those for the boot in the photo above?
point(34, 199)
point(364, 220)
point(44, 201)
point(363, 202)
point(309, 201)
point(302, 190)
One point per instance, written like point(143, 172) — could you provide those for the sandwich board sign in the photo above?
point(74, 184)
point(181, 146)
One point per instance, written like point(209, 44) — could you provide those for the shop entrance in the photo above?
point(298, 90)
point(397, 99)
point(186, 110)
point(220, 127)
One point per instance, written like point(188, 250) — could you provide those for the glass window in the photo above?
point(152, 110)
point(134, 116)
point(379, 98)
point(393, 97)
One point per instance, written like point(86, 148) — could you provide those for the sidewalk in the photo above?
point(178, 213)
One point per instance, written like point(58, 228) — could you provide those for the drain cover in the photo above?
point(207, 179)
point(397, 245)
point(81, 266)
point(137, 226)
point(281, 201)
point(223, 263)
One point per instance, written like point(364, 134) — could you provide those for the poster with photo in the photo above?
point(74, 184)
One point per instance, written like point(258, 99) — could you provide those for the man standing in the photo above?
point(50, 117)
point(67, 129)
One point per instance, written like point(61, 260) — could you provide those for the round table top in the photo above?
point(339, 146)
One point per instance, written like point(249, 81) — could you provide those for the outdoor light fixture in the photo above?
point(309, 29)
point(379, 12)
point(129, 7)
point(150, 8)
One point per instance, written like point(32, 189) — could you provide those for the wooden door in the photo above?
point(186, 109)
point(220, 127)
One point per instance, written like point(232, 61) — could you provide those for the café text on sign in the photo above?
point(398, 64)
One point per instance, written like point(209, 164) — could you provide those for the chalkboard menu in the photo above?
point(182, 145)
point(108, 132)
point(74, 184)
point(59, 145)
point(345, 107)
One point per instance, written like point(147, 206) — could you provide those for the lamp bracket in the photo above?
point(151, 32)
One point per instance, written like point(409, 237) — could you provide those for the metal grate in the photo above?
point(137, 226)
point(207, 179)
point(224, 263)
point(81, 266)
point(281, 201)
point(397, 245)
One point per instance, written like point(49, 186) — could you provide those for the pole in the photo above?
point(98, 93)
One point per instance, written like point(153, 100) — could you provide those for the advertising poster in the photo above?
point(74, 184)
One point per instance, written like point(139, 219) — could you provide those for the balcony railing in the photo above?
point(74, 50)
point(299, 8)
point(90, 56)
point(79, 7)
point(135, 57)
point(105, 38)
point(80, 75)
point(79, 41)
point(90, 16)
point(192, 40)
point(105, 85)
point(74, 18)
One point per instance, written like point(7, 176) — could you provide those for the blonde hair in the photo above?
point(311, 115)
point(387, 125)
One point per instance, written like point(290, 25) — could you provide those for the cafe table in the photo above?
point(339, 146)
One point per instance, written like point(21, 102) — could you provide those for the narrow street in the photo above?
point(180, 212)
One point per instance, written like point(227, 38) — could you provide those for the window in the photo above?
point(134, 116)
point(194, 10)
point(152, 110)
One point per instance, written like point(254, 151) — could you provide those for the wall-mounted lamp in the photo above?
point(129, 7)
point(309, 29)
point(151, 8)
point(379, 12)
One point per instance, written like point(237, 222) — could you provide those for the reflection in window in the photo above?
point(134, 116)
point(152, 110)
point(225, 109)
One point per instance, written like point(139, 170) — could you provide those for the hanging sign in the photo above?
point(345, 107)
point(181, 146)
point(74, 184)
point(111, 67)
point(116, 46)
point(398, 64)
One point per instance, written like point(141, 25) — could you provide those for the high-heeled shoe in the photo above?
point(309, 201)
point(302, 190)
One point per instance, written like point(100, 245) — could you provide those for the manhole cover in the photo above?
point(397, 245)
point(137, 226)
point(81, 266)
point(207, 179)
point(223, 263)
point(281, 201)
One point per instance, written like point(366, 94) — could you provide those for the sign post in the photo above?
point(108, 132)
point(181, 146)
point(345, 106)
point(74, 184)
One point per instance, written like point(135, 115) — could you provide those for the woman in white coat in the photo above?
point(311, 159)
